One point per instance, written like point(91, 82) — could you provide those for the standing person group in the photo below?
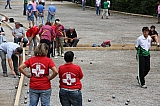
point(40, 78)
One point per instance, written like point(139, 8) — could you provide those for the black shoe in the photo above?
point(10, 8)
point(17, 73)
point(138, 81)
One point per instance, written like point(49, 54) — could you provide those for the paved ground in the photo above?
point(112, 72)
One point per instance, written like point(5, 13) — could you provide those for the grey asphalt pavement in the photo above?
point(112, 72)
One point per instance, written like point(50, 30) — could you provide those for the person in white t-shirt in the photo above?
point(98, 7)
point(109, 6)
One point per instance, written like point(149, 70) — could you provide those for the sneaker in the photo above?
point(158, 45)
point(62, 55)
point(57, 54)
point(144, 86)
point(5, 75)
point(29, 55)
point(55, 57)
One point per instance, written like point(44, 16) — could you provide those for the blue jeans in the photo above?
point(98, 10)
point(38, 19)
point(44, 96)
point(83, 5)
point(50, 18)
point(25, 41)
point(8, 3)
point(68, 98)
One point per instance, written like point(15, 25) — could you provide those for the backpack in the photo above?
point(106, 43)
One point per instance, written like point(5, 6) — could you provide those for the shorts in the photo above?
point(30, 18)
point(35, 13)
point(158, 15)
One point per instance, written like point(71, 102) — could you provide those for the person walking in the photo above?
point(70, 84)
point(30, 17)
point(109, 5)
point(51, 13)
point(105, 9)
point(40, 78)
point(98, 7)
point(59, 37)
point(19, 34)
point(12, 50)
point(8, 3)
point(47, 33)
point(40, 12)
point(142, 46)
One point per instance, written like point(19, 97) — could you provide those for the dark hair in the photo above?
point(19, 50)
point(48, 23)
point(40, 2)
point(17, 23)
point(152, 27)
point(57, 20)
point(145, 29)
point(68, 56)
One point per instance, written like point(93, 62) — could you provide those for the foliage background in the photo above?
point(147, 7)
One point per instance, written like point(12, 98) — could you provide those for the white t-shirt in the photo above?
point(109, 3)
point(98, 3)
point(145, 43)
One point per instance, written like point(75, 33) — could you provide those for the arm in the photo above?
point(14, 34)
point(20, 59)
point(30, 40)
point(21, 69)
point(54, 74)
point(10, 65)
point(23, 34)
point(137, 44)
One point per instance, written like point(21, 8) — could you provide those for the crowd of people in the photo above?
point(40, 64)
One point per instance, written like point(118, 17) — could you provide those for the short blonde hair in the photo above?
point(41, 49)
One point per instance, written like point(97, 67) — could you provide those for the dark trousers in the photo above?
point(74, 43)
point(8, 3)
point(98, 10)
point(3, 62)
point(25, 41)
point(24, 10)
point(144, 67)
point(52, 51)
point(49, 45)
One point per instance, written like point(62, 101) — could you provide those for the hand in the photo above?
point(71, 40)
point(28, 43)
point(22, 40)
point(29, 14)
point(48, 77)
